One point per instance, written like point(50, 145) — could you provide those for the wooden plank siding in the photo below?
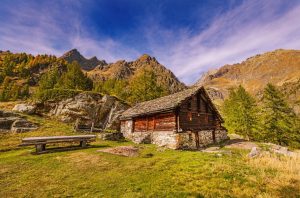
point(159, 122)
point(193, 114)
point(196, 114)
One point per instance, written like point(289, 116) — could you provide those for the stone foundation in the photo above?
point(187, 140)
point(172, 139)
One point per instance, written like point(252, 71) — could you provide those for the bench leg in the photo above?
point(40, 147)
point(83, 143)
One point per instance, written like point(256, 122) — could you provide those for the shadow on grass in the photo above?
point(18, 147)
point(11, 149)
point(68, 148)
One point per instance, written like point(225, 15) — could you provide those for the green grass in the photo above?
point(154, 173)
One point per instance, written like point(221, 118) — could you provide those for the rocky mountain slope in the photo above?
point(86, 64)
point(97, 70)
point(126, 70)
point(280, 67)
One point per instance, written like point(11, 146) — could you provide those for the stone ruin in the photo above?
point(12, 122)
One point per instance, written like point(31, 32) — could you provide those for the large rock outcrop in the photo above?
point(87, 110)
point(24, 108)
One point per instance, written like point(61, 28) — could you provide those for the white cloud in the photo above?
point(253, 27)
point(54, 28)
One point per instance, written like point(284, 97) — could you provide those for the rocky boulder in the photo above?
point(22, 125)
point(24, 108)
point(281, 150)
point(89, 111)
point(254, 152)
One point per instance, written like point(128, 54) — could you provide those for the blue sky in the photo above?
point(188, 36)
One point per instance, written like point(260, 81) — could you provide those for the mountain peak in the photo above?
point(146, 58)
point(86, 64)
point(74, 50)
point(73, 53)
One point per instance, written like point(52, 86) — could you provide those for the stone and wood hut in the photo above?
point(184, 120)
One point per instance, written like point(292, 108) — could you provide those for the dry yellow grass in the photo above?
point(8, 105)
point(286, 170)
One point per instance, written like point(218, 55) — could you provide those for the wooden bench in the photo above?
point(40, 142)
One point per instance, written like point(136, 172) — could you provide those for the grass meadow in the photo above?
point(156, 172)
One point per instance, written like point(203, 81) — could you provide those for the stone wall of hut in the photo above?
point(188, 139)
point(172, 139)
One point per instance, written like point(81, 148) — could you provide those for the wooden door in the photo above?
point(197, 140)
point(214, 136)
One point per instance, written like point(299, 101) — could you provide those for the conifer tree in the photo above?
point(14, 92)
point(280, 122)
point(74, 78)
point(240, 113)
point(144, 87)
point(114, 87)
point(6, 86)
point(22, 71)
point(49, 79)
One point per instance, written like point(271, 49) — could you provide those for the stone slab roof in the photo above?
point(164, 104)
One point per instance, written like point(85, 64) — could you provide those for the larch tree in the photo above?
point(241, 113)
point(74, 78)
point(144, 87)
point(280, 123)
